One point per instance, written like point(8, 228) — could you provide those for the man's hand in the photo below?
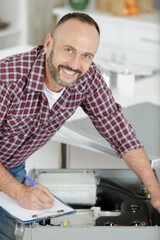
point(27, 196)
point(32, 198)
point(155, 199)
point(138, 161)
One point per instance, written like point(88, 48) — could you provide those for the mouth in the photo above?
point(69, 71)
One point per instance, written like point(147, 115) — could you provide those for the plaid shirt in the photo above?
point(26, 121)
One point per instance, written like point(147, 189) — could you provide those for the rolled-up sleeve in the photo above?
point(108, 119)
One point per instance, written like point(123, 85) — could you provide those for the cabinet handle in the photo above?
point(154, 41)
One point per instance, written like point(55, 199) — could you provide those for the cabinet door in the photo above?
point(142, 38)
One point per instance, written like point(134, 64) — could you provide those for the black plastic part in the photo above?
point(133, 213)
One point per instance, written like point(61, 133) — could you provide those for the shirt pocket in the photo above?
point(14, 125)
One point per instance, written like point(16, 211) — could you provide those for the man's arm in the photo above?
point(138, 161)
point(27, 196)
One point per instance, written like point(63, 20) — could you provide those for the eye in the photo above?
point(87, 57)
point(68, 50)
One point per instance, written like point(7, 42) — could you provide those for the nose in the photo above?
point(75, 63)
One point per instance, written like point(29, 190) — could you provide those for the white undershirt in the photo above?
point(52, 96)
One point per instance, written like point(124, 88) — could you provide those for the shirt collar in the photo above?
point(36, 75)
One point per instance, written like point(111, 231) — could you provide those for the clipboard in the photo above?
point(25, 216)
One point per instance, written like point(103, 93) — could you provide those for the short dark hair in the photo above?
point(83, 17)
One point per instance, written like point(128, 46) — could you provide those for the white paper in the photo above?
point(26, 215)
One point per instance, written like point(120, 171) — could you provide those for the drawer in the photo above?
point(139, 38)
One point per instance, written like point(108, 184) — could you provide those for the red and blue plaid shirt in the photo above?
point(26, 121)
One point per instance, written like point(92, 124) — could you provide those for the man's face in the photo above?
point(74, 46)
point(55, 72)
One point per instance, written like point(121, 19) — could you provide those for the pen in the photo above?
point(32, 182)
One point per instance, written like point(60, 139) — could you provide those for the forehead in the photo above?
point(76, 24)
point(75, 31)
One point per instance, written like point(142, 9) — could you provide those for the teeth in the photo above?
point(68, 72)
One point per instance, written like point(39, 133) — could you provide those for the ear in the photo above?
point(48, 44)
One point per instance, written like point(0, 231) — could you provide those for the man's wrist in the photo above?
point(154, 190)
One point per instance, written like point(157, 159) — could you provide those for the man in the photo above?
point(40, 90)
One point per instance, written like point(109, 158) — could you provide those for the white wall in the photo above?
point(47, 157)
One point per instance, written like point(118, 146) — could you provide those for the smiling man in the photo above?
point(39, 91)
point(69, 53)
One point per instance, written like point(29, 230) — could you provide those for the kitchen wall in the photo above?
point(40, 19)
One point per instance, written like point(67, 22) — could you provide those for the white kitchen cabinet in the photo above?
point(135, 39)
point(142, 39)
point(13, 12)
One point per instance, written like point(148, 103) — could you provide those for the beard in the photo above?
point(54, 72)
